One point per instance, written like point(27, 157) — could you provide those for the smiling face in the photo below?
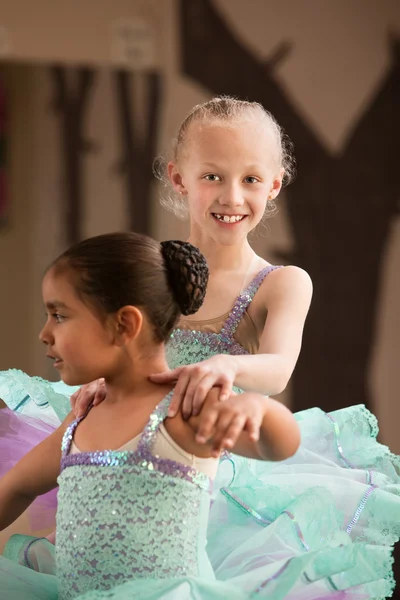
point(228, 173)
point(78, 342)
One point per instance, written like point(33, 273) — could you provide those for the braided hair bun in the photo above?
point(187, 273)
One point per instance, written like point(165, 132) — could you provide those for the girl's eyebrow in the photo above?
point(55, 304)
point(209, 164)
point(252, 167)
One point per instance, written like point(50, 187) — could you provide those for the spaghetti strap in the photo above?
point(243, 301)
point(147, 437)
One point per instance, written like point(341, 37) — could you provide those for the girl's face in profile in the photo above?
point(78, 342)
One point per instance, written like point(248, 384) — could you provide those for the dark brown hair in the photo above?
point(128, 269)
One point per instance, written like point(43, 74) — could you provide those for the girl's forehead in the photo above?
point(249, 140)
point(58, 286)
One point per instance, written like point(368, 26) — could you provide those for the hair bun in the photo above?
point(187, 273)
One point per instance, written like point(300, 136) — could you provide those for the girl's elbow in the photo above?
point(289, 445)
point(282, 379)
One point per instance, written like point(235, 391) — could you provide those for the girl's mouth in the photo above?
point(228, 219)
point(56, 361)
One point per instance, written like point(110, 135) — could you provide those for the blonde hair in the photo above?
point(228, 111)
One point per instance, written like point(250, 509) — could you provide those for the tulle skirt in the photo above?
point(320, 525)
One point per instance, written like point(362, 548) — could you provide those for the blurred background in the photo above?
point(91, 92)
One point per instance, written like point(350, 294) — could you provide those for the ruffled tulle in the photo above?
point(321, 524)
point(35, 397)
point(304, 577)
point(19, 434)
point(340, 490)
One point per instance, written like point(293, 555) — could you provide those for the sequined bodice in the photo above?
point(187, 346)
point(124, 515)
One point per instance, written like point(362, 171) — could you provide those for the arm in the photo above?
point(287, 300)
point(249, 424)
point(279, 436)
point(33, 475)
point(286, 297)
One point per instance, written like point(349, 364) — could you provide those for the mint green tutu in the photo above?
point(321, 524)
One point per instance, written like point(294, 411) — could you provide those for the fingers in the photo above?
point(222, 423)
point(201, 391)
point(228, 429)
point(75, 401)
point(226, 390)
point(208, 418)
point(196, 393)
point(192, 389)
point(253, 425)
point(87, 394)
point(179, 394)
point(167, 376)
point(100, 393)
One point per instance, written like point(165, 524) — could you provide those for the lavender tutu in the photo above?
point(19, 434)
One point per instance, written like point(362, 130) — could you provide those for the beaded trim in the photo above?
point(224, 342)
point(246, 508)
point(139, 459)
point(243, 301)
point(215, 341)
point(298, 529)
point(137, 462)
point(350, 465)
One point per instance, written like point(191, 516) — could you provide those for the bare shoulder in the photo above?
point(288, 282)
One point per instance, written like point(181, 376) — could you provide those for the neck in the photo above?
point(132, 378)
point(224, 258)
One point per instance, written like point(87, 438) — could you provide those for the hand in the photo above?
point(193, 382)
point(223, 422)
point(94, 392)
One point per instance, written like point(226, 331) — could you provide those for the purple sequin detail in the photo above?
point(224, 342)
point(272, 578)
point(298, 529)
point(243, 301)
point(136, 461)
point(141, 458)
point(245, 507)
point(360, 508)
point(215, 341)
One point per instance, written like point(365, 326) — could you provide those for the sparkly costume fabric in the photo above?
point(154, 530)
point(320, 525)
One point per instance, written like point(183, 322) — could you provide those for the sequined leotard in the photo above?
point(156, 529)
point(234, 333)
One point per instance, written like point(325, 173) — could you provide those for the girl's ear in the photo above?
point(276, 185)
point(175, 178)
point(128, 323)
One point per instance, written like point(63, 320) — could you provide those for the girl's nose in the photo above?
point(45, 335)
point(233, 196)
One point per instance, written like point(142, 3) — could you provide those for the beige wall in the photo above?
point(331, 75)
point(16, 237)
point(75, 31)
